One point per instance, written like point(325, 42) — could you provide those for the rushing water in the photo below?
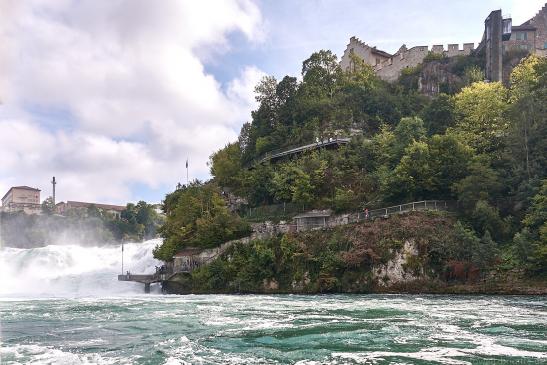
point(62, 312)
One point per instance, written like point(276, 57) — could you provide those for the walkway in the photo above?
point(204, 257)
point(275, 155)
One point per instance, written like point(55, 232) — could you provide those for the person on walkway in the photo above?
point(366, 213)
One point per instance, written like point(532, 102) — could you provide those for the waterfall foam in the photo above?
point(72, 270)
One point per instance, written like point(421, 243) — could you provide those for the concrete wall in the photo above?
point(493, 45)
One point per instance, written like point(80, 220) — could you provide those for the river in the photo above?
point(65, 306)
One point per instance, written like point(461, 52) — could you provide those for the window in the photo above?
point(351, 50)
point(545, 45)
point(521, 36)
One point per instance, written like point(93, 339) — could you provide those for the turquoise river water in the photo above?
point(85, 324)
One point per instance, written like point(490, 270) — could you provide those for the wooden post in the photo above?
point(147, 288)
point(413, 207)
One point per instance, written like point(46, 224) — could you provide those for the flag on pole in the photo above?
point(186, 163)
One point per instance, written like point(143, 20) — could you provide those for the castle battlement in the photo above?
point(391, 68)
point(531, 36)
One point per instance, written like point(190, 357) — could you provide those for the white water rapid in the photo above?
point(72, 270)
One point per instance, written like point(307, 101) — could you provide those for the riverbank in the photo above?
point(418, 252)
point(182, 284)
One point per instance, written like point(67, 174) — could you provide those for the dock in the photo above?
point(144, 279)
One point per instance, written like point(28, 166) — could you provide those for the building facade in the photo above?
point(22, 198)
point(82, 208)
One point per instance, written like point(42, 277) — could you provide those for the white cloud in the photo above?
point(130, 77)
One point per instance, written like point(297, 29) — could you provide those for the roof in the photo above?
point(22, 187)
point(76, 204)
point(314, 214)
point(380, 52)
point(188, 251)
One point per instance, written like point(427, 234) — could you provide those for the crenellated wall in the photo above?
point(390, 69)
point(370, 55)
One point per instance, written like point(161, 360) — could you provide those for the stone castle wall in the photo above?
point(370, 55)
point(390, 69)
point(540, 22)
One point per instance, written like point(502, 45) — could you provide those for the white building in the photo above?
point(22, 198)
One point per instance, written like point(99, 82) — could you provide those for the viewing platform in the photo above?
point(330, 143)
point(144, 279)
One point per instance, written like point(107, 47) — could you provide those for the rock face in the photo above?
point(397, 270)
point(436, 78)
point(270, 285)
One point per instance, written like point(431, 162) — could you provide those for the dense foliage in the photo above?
point(197, 216)
point(342, 259)
point(482, 144)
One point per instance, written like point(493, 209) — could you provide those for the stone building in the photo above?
point(82, 207)
point(499, 38)
point(312, 220)
point(530, 36)
point(388, 67)
point(22, 198)
point(370, 55)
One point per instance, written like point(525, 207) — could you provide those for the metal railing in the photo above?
point(433, 205)
point(288, 150)
point(407, 207)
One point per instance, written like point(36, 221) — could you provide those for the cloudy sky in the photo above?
point(112, 96)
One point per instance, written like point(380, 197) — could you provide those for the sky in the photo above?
point(112, 97)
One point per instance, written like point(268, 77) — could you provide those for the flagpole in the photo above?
point(122, 258)
point(187, 182)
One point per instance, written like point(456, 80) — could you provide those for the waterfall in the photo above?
point(73, 270)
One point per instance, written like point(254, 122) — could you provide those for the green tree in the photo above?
point(448, 160)
point(197, 216)
point(482, 183)
point(412, 179)
point(473, 74)
point(226, 167)
point(531, 242)
point(320, 73)
point(407, 131)
point(48, 206)
point(480, 119)
point(439, 114)
point(527, 135)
